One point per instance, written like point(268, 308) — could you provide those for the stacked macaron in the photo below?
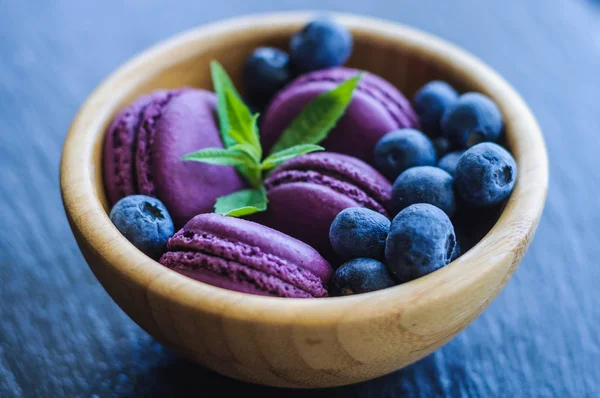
point(144, 144)
point(342, 186)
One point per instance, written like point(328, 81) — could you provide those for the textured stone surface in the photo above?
point(62, 336)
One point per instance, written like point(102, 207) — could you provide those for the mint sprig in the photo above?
point(241, 139)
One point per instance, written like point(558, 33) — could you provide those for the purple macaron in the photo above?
point(244, 256)
point(307, 192)
point(146, 141)
point(376, 109)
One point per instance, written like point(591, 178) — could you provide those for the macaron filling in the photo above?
point(124, 178)
point(340, 173)
point(241, 262)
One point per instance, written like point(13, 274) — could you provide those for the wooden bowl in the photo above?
point(300, 342)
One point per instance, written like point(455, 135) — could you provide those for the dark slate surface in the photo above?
point(62, 336)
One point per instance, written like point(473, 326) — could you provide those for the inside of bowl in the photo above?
point(405, 64)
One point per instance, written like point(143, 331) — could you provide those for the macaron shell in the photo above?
point(305, 211)
point(118, 152)
point(341, 187)
point(363, 169)
point(245, 263)
point(187, 123)
point(145, 138)
point(396, 102)
point(269, 240)
point(376, 109)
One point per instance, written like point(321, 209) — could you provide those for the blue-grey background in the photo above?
point(62, 336)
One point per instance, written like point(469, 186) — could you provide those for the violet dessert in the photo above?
point(376, 109)
point(306, 194)
point(244, 256)
point(144, 145)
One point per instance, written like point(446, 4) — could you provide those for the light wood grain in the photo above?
point(300, 342)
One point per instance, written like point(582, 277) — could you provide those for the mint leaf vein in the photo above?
point(238, 128)
point(275, 159)
point(241, 203)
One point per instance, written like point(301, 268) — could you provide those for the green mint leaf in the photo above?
point(241, 156)
point(236, 135)
point(234, 156)
point(222, 83)
point(249, 150)
point(256, 135)
point(241, 203)
point(316, 120)
point(242, 121)
point(277, 158)
point(251, 170)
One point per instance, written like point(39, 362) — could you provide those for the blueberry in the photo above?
point(430, 102)
point(421, 240)
point(359, 232)
point(145, 222)
point(361, 275)
point(485, 175)
point(449, 162)
point(442, 146)
point(424, 184)
point(472, 119)
point(400, 149)
point(322, 43)
point(265, 72)
point(457, 250)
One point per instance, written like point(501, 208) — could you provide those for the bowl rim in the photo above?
point(515, 228)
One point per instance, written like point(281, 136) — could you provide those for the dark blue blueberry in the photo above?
point(266, 71)
point(442, 146)
point(424, 184)
point(322, 43)
point(360, 275)
point(472, 119)
point(359, 232)
point(485, 175)
point(401, 149)
point(449, 162)
point(430, 102)
point(145, 222)
point(421, 240)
